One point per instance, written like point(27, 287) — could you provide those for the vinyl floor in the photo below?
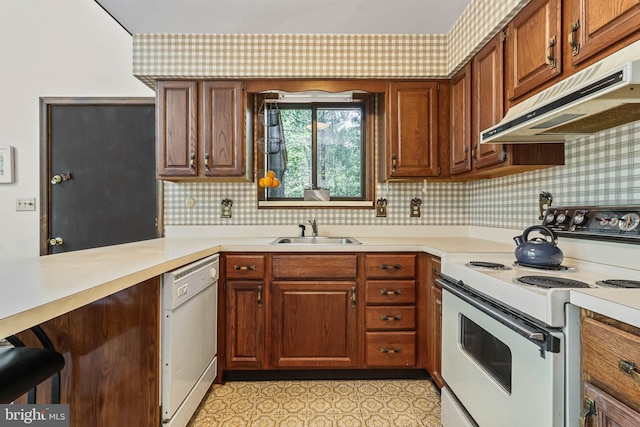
point(352, 403)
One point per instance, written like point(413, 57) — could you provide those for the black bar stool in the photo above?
point(23, 368)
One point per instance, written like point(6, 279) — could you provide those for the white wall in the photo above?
point(58, 48)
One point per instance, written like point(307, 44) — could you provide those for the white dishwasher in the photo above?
point(189, 338)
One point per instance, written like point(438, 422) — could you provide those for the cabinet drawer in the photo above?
point(390, 292)
point(391, 317)
point(315, 266)
point(391, 349)
point(606, 353)
point(244, 266)
point(397, 266)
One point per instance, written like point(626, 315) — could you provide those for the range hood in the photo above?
point(603, 95)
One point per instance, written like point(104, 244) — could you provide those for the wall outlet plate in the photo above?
point(226, 212)
point(381, 211)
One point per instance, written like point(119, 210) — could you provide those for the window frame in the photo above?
point(369, 104)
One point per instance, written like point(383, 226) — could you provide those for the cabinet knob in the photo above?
point(575, 46)
point(390, 350)
point(550, 57)
point(244, 267)
point(389, 267)
point(390, 292)
point(387, 318)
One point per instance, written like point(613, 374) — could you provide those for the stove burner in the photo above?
point(619, 283)
point(487, 265)
point(549, 282)
point(544, 267)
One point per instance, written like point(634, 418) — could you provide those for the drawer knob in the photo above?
point(390, 350)
point(629, 368)
point(389, 267)
point(244, 267)
point(396, 317)
point(390, 292)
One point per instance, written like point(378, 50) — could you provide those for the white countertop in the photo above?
point(37, 289)
point(619, 304)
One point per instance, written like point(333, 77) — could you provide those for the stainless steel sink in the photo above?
point(315, 241)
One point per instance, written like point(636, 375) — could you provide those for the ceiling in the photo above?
point(286, 16)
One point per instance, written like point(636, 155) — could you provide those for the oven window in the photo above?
point(491, 353)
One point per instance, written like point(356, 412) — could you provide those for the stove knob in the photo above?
point(580, 219)
point(550, 219)
point(562, 218)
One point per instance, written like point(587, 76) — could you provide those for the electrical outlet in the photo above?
point(25, 204)
point(381, 211)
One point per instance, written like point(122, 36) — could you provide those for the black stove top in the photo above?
point(548, 282)
point(619, 283)
point(544, 267)
point(487, 265)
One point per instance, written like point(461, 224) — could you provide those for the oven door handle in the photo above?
point(540, 337)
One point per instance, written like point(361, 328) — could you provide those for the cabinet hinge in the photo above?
point(437, 86)
point(438, 170)
point(243, 170)
point(504, 154)
point(505, 35)
point(224, 286)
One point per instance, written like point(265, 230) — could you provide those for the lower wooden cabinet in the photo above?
point(434, 335)
point(314, 324)
point(390, 349)
point(323, 311)
point(608, 411)
point(610, 355)
point(245, 323)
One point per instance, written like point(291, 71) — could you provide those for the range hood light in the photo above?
point(602, 96)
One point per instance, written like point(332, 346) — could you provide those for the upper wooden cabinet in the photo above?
point(487, 101)
point(476, 104)
point(461, 121)
point(534, 47)
point(597, 25)
point(411, 149)
point(200, 131)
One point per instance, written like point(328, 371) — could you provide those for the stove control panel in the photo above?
point(619, 223)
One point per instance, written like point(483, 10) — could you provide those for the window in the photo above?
point(319, 146)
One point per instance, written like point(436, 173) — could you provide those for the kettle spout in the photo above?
point(518, 240)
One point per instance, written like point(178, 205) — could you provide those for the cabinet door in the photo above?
point(223, 145)
point(245, 320)
point(314, 324)
point(412, 134)
point(461, 121)
point(533, 47)
point(487, 101)
point(599, 24)
point(434, 335)
point(176, 121)
point(609, 411)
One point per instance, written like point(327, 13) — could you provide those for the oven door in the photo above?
point(504, 371)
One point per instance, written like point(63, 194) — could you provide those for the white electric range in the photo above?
point(511, 350)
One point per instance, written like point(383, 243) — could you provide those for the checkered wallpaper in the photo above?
point(602, 169)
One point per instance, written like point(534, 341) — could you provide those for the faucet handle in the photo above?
point(302, 229)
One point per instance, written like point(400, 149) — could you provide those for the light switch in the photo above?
point(25, 204)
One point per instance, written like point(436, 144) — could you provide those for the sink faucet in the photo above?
point(302, 228)
point(314, 227)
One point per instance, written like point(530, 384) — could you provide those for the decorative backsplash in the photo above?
point(600, 170)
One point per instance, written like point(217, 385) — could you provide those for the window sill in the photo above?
point(316, 204)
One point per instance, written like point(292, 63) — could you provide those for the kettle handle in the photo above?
point(543, 230)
